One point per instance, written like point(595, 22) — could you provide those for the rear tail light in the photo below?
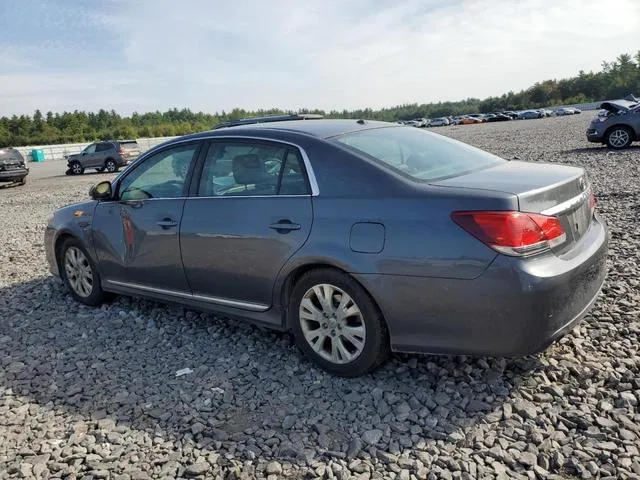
point(513, 233)
point(592, 201)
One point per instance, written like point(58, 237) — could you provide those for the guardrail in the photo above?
point(58, 152)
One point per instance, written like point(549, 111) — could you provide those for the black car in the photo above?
point(13, 168)
point(497, 117)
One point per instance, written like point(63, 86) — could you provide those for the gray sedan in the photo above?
point(359, 237)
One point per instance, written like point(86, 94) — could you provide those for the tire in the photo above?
point(23, 181)
point(76, 169)
point(110, 165)
point(367, 323)
point(85, 292)
point(618, 138)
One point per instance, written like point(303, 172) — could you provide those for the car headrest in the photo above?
point(248, 169)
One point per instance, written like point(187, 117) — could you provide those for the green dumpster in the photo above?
point(37, 155)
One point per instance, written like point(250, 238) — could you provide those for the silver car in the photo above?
point(107, 156)
point(359, 237)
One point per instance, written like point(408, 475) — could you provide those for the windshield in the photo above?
point(418, 154)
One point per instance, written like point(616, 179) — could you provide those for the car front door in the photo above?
point(250, 213)
point(136, 236)
point(88, 155)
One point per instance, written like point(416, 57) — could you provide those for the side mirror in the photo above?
point(101, 191)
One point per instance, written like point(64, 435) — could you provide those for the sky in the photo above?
point(214, 55)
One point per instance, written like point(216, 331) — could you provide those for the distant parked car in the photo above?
point(439, 122)
point(469, 119)
point(458, 251)
point(109, 155)
point(478, 116)
point(13, 168)
point(564, 111)
point(498, 117)
point(618, 127)
point(530, 114)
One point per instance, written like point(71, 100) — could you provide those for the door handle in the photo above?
point(167, 223)
point(284, 226)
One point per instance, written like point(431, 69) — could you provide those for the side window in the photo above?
point(102, 147)
point(293, 180)
point(245, 169)
point(90, 149)
point(160, 176)
point(241, 169)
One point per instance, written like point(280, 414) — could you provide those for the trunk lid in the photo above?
point(559, 190)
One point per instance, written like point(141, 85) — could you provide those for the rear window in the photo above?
point(10, 154)
point(417, 154)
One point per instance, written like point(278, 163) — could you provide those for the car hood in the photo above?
point(73, 156)
point(618, 106)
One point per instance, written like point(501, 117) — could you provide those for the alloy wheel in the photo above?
point(78, 271)
point(76, 168)
point(619, 138)
point(332, 324)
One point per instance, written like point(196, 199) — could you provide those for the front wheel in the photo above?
point(79, 274)
point(76, 169)
point(337, 324)
point(619, 138)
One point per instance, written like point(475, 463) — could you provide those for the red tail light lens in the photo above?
point(592, 201)
point(513, 233)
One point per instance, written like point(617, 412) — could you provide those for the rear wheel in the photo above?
point(76, 169)
point(79, 273)
point(110, 166)
point(337, 324)
point(619, 138)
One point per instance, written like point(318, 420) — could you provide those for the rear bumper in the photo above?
point(13, 175)
point(515, 308)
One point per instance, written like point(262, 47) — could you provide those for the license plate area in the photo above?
point(579, 220)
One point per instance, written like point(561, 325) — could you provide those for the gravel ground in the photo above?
point(94, 393)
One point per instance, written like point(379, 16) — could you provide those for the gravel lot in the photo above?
point(93, 393)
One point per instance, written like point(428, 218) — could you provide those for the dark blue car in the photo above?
point(360, 237)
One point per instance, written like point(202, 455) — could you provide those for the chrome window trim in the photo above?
point(315, 190)
point(255, 307)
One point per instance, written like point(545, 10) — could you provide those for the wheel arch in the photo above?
point(296, 273)
point(630, 129)
point(57, 248)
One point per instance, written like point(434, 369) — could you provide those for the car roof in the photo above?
point(321, 128)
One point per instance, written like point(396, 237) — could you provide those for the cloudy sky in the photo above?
point(210, 55)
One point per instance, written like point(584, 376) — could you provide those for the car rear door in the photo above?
point(136, 236)
point(102, 152)
point(250, 212)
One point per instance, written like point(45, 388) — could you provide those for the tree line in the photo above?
point(616, 79)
